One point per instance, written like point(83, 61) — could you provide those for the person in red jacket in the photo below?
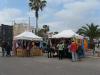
point(73, 49)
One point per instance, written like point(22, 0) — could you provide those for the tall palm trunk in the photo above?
point(36, 15)
point(36, 25)
point(91, 43)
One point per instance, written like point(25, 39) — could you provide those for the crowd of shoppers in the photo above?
point(72, 49)
point(63, 49)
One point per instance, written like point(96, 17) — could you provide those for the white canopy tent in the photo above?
point(27, 36)
point(66, 34)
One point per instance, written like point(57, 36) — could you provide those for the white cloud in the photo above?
point(31, 13)
point(54, 26)
point(8, 14)
point(74, 13)
point(59, 14)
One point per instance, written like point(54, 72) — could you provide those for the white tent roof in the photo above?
point(65, 34)
point(27, 36)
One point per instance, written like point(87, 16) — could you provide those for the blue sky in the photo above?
point(18, 4)
point(59, 14)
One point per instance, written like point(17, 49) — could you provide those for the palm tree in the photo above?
point(37, 5)
point(46, 28)
point(92, 31)
point(55, 32)
point(41, 32)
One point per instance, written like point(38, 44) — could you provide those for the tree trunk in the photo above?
point(36, 25)
point(91, 43)
point(36, 14)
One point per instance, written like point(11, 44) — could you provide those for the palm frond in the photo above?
point(91, 30)
point(43, 4)
point(85, 28)
point(37, 4)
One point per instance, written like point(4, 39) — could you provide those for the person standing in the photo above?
point(65, 49)
point(49, 51)
point(73, 48)
point(8, 50)
point(60, 50)
point(28, 50)
point(93, 47)
point(3, 45)
point(79, 50)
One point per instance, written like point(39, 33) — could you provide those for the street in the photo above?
point(48, 66)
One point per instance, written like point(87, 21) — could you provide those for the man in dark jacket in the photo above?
point(8, 49)
point(49, 51)
point(4, 44)
point(93, 47)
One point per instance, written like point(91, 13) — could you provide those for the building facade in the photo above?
point(6, 33)
point(21, 27)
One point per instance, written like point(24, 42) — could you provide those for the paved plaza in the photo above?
point(48, 66)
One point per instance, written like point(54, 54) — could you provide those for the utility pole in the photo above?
point(29, 24)
point(13, 22)
point(29, 19)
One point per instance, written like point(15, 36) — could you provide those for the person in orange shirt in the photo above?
point(85, 44)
